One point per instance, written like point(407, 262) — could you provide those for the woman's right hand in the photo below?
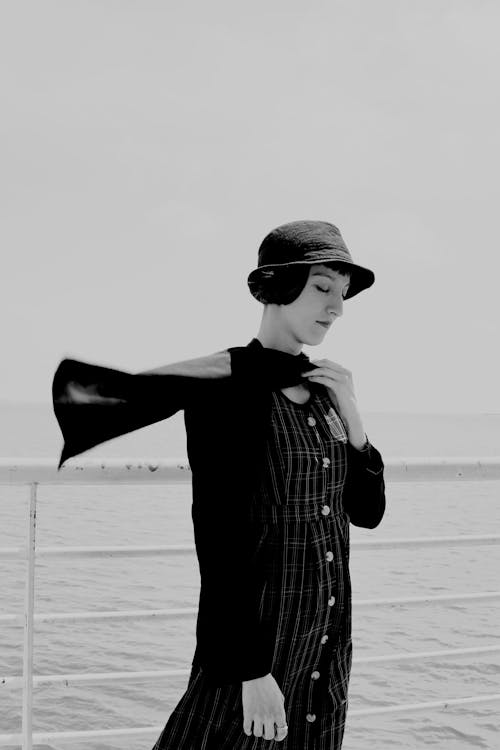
point(264, 706)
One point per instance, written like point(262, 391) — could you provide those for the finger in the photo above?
point(281, 734)
point(340, 376)
point(327, 363)
point(330, 378)
point(329, 382)
point(247, 727)
point(281, 729)
point(341, 371)
point(332, 367)
point(257, 728)
point(269, 730)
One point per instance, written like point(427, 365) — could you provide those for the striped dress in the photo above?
point(306, 595)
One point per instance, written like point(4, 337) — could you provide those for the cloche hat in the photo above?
point(306, 242)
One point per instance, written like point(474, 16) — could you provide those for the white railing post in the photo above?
point(29, 605)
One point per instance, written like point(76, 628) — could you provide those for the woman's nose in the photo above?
point(336, 307)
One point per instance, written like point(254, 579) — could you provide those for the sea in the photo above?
point(161, 515)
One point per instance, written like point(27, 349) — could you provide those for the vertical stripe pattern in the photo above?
point(306, 595)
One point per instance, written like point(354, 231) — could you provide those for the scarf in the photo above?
point(93, 403)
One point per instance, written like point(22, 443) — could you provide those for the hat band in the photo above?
point(309, 261)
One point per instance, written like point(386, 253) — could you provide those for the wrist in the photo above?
point(246, 682)
point(360, 445)
point(355, 431)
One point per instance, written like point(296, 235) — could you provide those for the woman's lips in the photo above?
point(325, 325)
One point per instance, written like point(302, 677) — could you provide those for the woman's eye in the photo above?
point(325, 291)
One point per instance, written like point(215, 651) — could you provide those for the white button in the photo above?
point(324, 639)
point(331, 601)
point(311, 717)
point(315, 675)
point(326, 461)
point(325, 510)
point(311, 421)
point(329, 556)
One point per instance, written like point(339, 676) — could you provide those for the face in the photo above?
point(321, 300)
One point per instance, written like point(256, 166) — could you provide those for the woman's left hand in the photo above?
point(337, 379)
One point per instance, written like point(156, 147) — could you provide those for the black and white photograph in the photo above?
point(249, 392)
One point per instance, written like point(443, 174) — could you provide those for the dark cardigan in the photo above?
point(226, 399)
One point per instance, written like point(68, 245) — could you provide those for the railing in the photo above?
point(32, 472)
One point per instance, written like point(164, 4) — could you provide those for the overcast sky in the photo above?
point(148, 147)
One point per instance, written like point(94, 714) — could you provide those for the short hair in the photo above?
point(283, 284)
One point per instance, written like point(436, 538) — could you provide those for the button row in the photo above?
point(326, 461)
point(315, 675)
point(325, 510)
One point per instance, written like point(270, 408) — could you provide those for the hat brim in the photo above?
point(361, 278)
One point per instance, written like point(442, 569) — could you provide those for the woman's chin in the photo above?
point(320, 332)
point(315, 338)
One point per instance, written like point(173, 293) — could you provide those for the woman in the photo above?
point(280, 466)
point(305, 273)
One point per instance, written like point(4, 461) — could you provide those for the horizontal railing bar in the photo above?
point(45, 737)
point(441, 598)
point(177, 470)
point(13, 681)
point(40, 737)
point(422, 655)
point(14, 553)
point(424, 541)
point(190, 612)
point(113, 615)
point(404, 707)
point(95, 471)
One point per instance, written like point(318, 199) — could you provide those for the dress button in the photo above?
point(329, 556)
point(311, 717)
point(324, 639)
point(311, 421)
point(331, 601)
point(325, 510)
point(315, 675)
point(326, 461)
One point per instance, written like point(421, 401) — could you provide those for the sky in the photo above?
point(148, 148)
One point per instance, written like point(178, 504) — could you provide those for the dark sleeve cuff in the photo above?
point(364, 489)
point(367, 457)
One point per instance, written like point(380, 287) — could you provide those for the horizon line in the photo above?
point(6, 402)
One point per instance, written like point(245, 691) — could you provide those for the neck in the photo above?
point(272, 337)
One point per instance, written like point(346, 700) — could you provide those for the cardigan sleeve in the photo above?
point(364, 488)
point(94, 404)
point(233, 644)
